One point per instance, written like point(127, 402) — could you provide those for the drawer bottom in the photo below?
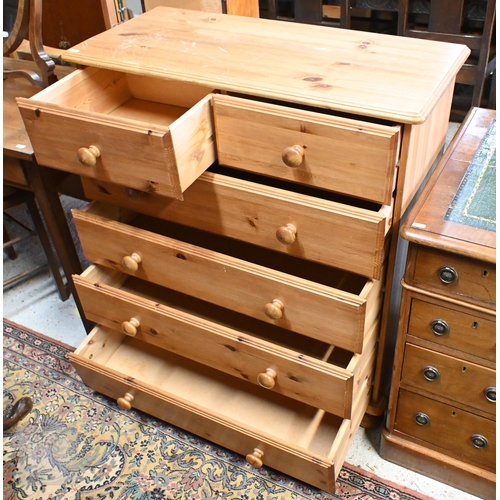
point(297, 439)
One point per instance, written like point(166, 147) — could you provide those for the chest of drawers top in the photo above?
point(348, 71)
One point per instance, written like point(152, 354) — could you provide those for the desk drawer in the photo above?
point(280, 361)
point(344, 233)
point(291, 293)
point(451, 378)
point(473, 333)
point(136, 131)
point(338, 154)
point(454, 276)
point(294, 438)
point(448, 429)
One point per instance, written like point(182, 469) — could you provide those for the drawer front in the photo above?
point(327, 232)
point(293, 303)
point(473, 333)
point(296, 439)
point(108, 134)
point(455, 276)
point(176, 323)
point(458, 433)
point(347, 156)
point(450, 378)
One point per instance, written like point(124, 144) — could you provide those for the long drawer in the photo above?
point(280, 361)
point(311, 224)
point(290, 293)
point(448, 429)
point(268, 428)
point(127, 129)
point(339, 154)
point(451, 378)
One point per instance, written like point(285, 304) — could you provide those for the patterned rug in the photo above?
point(78, 445)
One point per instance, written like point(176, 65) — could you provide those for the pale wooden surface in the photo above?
point(208, 275)
point(361, 73)
point(253, 212)
point(232, 344)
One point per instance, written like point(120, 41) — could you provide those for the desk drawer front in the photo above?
point(448, 428)
point(300, 304)
point(294, 438)
point(92, 124)
point(328, 232)
point(454, 276)
point(347, 156)
point(449, 377)
point(473, 333)
point(281, 362)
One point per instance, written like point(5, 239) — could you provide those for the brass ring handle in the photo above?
point(287, 234)
point(130, 327)
point(125, 402)
point(267, 379)
point(255, 458)
point(274, 309)
point(131, 262)
point(88, 156)
point(293, 156)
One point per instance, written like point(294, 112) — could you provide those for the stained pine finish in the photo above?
point(442, 410)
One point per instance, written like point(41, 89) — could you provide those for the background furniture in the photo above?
point(441, 419)
point(235, 7)
point(274, 257)
point(470, 22)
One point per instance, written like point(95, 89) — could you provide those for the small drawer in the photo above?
point(282, 290)
point(146, 134)
point(473, 333)
point(457, 433)
point(454, 276)
point(338, 154)
point(268, 428)
point(334, 230)
point(451, 378)
point(280, 361)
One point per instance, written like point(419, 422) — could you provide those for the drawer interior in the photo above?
point(221, 396)
point(133, 97)
point(240, 325)
point(329, 276)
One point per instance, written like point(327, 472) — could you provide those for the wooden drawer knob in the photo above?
point(255, 458)
point(124, 403)
point(88, 156)
point(131, 262)
point(274, 309)
point(286, 234)
point(293, 156)
point(267, 379)
point(130, 327)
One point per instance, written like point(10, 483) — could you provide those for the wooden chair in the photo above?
point(456, 21)
point(249, 8)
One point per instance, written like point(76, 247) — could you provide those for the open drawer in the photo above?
point(348, 156)
point(140, 132)
point(268, 428)
point(280, 289)
point(317, 225)
point(280, 361)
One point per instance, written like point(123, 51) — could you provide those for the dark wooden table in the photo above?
point(21, 171)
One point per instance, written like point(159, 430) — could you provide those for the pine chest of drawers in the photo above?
point(247, 176)
point(442, 412)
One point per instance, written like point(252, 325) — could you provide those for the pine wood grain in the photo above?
point(339, 69)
